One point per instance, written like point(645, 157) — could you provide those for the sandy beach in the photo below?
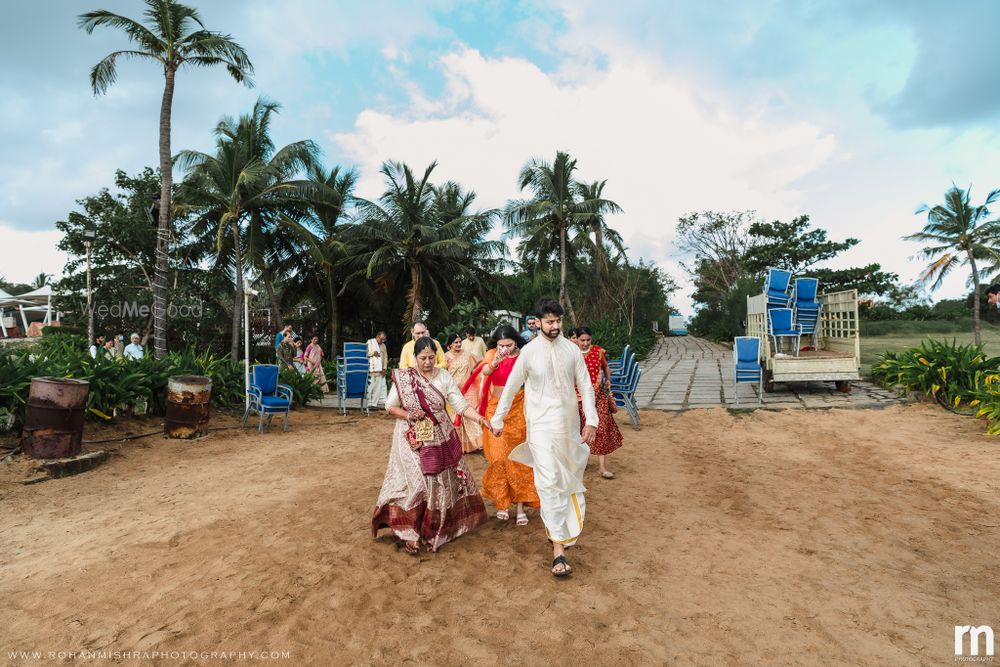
point(772, 537)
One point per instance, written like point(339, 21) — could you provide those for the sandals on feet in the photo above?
point(412, 548)
point(607, 474)
point(522, 519)
point(502, 515)
point(561, 560)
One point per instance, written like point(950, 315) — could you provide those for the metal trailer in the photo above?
point(838, 357)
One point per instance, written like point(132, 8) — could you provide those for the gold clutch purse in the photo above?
point(424, 430)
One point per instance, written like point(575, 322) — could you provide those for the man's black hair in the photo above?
point(993, 289)
point(470, 330)
point(549, 307)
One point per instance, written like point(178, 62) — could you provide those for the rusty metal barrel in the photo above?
point(53, 422)
point(188, 406)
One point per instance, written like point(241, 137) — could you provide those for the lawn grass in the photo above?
point(872, 346)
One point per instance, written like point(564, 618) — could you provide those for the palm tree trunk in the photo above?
point(415, 286)
point(234, 347)
point(331, 291)
point(563, 291)
point(599, 255)
point(275, 306)
point(163, 224)
point(975, 299)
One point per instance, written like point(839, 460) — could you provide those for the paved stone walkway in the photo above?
point(686, 372)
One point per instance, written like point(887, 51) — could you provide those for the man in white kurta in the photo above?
point(551, 369)
point(377, 358)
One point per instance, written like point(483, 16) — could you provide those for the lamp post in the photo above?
point(247, 293)
point(88, 238)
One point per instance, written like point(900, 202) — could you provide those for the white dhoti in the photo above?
point(558, 460)
point(377, 391)
point(549, 370)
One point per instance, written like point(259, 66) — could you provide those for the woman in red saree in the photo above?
point(428, 495)
point(609, 436)
point(505, 482)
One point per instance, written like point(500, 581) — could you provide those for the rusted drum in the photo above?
point(188, 406)
point(53, 422)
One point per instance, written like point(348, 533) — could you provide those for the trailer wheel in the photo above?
point(844, 386)
point(768, 382)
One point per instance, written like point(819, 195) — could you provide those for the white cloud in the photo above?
point(664, 147)
point(28, 253)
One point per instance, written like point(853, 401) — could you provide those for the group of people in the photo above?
point(536, 403)
point(290, 354)
point(114, 347)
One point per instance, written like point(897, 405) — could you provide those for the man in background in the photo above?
point(134, 350)
point(532, 330)
point(406, 357)
point(473, 344)
point(993, 295)
point(378, 356)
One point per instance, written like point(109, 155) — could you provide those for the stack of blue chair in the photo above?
point(776, 288)
point(746, 358)
point(266, 396)
point(806, 305)
point(625, 374)
point(352, 376)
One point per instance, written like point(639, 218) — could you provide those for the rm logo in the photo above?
point(974, 632)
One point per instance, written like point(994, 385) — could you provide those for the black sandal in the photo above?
point(561, 560)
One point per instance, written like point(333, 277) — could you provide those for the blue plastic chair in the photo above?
point(352, 376)
point(807, 305)
point(616, 364)
point(781, 326)
point(267, 397)
point(623, 392)
point(776, 287)
point(746, 359)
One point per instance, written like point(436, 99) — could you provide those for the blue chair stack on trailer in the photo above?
point(746, 359)
point(266, 396)
point(806, 306)
point(625, 374)
point(352, 376)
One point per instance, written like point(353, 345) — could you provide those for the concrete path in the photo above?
point(686, 372)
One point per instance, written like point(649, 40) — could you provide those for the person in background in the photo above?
point(473, 344)
point(98, 344)
point(109, 348)
point(286, 353)
point(133, 350)
point(993, 295)
point(608, 437)
point(299, 360)
point(407, 358)
point(286, 332)
point(461, 363)
point(572, 335)
point(120, 346)
point(378, 356)
point(529, 334)
point(314, 363)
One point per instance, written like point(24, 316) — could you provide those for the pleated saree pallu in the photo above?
point(428, 494)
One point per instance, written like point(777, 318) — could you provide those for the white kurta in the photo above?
point(551, 373)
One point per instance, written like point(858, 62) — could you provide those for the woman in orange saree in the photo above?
point(506, 482)
point(461, 363)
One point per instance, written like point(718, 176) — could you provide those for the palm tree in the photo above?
point(423, 238)
point(320, 235)
point(174, 36)
point(959, 233)
point(41, 280)
point(557, 208)
point(237, 183)
point(599, 227)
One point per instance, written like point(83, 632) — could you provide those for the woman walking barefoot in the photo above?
point(428, 496)
point(609, 436)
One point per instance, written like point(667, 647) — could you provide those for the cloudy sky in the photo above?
point(853, 112)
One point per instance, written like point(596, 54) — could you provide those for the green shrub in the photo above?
point(303, 386)
point(613, 337)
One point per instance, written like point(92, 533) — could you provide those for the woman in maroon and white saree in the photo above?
point(428, 496)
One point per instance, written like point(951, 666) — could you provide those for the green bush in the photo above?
point(613, 337)
point(304, 387)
